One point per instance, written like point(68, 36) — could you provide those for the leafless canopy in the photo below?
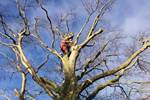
point(79, 74)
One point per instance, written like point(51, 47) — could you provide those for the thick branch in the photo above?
point(86, 65)
point(84, 25)
point(101, 12)
point(53, 51)
point(102, 86)
point(88, 39)
point(127, 63)
point(21, 93)
point(22, 56)
point(110, 82)
point(23, 83)
point(48, 85)
point(87, 20)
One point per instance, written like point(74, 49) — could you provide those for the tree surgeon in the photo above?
point(66, 43)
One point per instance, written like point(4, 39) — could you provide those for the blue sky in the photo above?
point(128, 16)
point(132, 16)
point(125, 13)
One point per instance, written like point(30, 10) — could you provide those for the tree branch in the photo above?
point(84, 25)
point(6, 44)
point(101, 12)
point(21, 93)
point(24, 18)
point(102, 86)
point(48, 85)
point(43, 63)
point(124, 65)
point(88, 39)
point(110, 82)
point(86, 65)
point(43, 44)
point(5, 27)
point(50, 22)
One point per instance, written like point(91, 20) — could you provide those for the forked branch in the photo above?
point(88, 39)
point(124, 65)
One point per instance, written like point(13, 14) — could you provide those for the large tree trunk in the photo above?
point(69, 89)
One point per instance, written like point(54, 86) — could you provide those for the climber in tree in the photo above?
point(66, 43)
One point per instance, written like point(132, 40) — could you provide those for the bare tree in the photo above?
point(80, 75)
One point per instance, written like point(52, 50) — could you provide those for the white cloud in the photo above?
point(138, 19)
point(135, 24)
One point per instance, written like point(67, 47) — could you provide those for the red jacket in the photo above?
point(65, 46)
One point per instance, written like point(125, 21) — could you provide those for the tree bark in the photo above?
point(69, 89)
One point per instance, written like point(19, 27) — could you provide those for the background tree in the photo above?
point(96, 60)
